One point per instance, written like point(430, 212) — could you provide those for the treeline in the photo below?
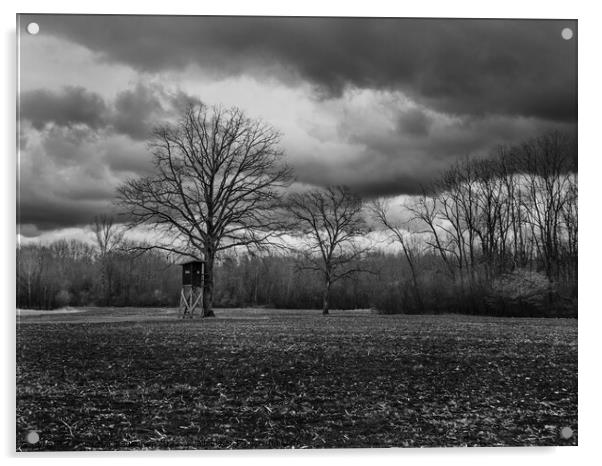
point(504, 230)
point(75, 273)
point(493, 236)
point(68, 273)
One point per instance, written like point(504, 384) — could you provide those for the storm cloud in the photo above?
point(510, 67)
point(74, 105)
point(380, 104)
point(133, 112)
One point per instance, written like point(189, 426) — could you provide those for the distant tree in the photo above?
point(330, 223)
point(381, 211)
point(218, 175)
point(28, 268)
point(549, 189)
point(108, 239)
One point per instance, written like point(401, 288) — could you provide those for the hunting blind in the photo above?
point(191, 297)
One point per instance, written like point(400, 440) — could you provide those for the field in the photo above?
point(141, 379)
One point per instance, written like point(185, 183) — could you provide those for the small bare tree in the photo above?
point(426, 210)
point(218, 176)
point(28, 267)
point(109, 238)
point(108, 235)
point(381, 210)
point(330, 223)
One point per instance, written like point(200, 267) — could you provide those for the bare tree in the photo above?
point(108, 235)
point(426, 210)
point(380, 208)
point(330, 223)
point(569, 217)
point(28, 267)
point(109, 238)
point(218, 175)
point(549, 183)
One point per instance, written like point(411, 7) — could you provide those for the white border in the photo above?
point(590, 106)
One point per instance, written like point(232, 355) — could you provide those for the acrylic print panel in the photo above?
point(381, 214)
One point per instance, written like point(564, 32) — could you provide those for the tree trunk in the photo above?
point(417, 294)
point(208, 286)
point(325, 297)
point(109, 281)
point(29, 306)
point(105, 279)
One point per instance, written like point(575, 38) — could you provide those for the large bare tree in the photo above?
point(218, 175)
point(330, 222)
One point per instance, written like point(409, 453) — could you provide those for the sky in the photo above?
point(381, 105)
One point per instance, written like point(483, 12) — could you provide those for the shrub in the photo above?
point(63, 298)
point(521, 292)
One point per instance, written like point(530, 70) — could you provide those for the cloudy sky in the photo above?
point(381, 105)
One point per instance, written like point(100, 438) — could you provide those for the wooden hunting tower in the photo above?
point(191, 297)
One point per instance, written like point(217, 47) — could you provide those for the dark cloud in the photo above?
point(28, 230)
point(123, 156)
point(180, 100)
point(136, 111)
point(74, 158)
point(508, 67)
point(395, 101)
point(369, 179)
point(71, 106)
point(414, 122)
point(402, 151)
point(133, 112)
point(48, 214)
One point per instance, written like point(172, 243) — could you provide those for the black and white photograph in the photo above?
point(295, 232)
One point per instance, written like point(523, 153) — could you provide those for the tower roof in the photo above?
point(192, 262)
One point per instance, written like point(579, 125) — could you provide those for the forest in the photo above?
point(494, 235)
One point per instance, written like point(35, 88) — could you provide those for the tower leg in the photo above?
point(197, 299)
point(183, 310)
point(190, 299)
